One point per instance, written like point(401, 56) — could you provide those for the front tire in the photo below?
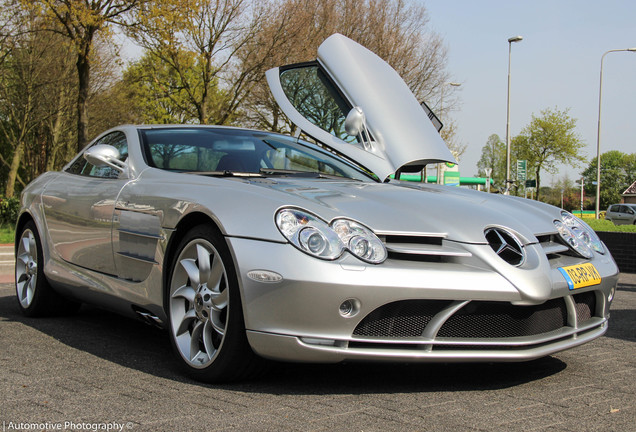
point(35, 295)
point(206, 325)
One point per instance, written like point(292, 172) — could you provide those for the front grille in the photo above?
point(411, 239)
point(501, 320)
point(585, 305)
point(402, 319)
point(414, 257)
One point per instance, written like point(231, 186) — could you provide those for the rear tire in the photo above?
point(205, 315)
point(35, 296)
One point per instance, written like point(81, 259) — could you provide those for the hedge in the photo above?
point(9, 208)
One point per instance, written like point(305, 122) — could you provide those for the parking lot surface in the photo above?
point(99, 371)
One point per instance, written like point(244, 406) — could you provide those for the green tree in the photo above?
point(211, 51)
point(158, 94)
point(549, 140)
point(493, 156)
point(34, 89)
point(81, 21)
point(618, 172)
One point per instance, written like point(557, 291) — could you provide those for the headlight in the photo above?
point(315, 237)
point(309, 234)
point(583, 231)
point(578, 235)
point(360, 240)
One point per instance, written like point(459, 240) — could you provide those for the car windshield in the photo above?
point(228, 152)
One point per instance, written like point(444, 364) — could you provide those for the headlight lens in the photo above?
point(583, 231)
point(315, 237)
point(571, 240)
point(578, 235)
point(360, 240)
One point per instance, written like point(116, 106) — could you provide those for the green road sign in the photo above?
point(521, 169)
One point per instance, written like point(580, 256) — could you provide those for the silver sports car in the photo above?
point(246, 244)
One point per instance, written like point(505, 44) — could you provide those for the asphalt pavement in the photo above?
point(99, 371)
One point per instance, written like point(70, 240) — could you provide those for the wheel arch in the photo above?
point(24, 218)
point(188, 222)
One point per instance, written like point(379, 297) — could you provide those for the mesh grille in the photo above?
point(585, 305)
point(501, 320)
point(409, 318)
point(400, 319)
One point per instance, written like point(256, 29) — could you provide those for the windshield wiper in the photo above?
point(299, 173)
point(224, 173)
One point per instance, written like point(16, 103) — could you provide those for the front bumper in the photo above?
point(282, 347)
point(299, 318)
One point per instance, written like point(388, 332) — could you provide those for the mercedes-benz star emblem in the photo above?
point(505, 245)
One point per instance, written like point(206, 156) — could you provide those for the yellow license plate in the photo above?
point(581, 275)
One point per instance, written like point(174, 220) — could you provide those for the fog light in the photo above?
point(349, 308)
point(610, 296)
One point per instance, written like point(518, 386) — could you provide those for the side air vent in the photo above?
point(421, 247)
point(552, 245)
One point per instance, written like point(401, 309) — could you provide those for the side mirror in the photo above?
point(105, 155)
point(356, 125)
point(355, 121)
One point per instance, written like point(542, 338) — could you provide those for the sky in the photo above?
point(556, 65)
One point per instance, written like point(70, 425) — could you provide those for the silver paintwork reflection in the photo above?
point(79, 217)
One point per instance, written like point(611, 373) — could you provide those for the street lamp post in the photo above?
point(508, 180)
point(598, 134)
point(488, 172)
point(441, 108)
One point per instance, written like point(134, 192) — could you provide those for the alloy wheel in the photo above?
point(199, 303)
point(26, 268)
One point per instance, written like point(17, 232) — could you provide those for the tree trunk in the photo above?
point(56, 131)
point(13, 169)
point(84, 74)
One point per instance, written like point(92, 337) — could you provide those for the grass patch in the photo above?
point(603, 225)
point(7, 234)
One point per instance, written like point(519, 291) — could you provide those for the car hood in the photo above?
point(400, 207)
point(402, 133)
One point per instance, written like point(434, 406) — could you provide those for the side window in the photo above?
point(115, 139)
point(614, 208)
point(77, 166)
point(313, 95)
